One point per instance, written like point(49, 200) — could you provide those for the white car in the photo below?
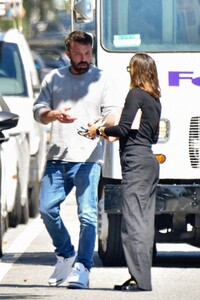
point(7, 120)
point(24, 153)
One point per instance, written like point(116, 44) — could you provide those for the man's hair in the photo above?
point(80, 37)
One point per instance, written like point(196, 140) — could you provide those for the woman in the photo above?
point(140, 169)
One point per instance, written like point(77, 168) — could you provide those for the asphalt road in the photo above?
point(28, 262)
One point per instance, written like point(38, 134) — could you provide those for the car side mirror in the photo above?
point(7, 120)
point(83, 11)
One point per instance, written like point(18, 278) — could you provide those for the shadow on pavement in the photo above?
point(175, 259)
point(38, 258)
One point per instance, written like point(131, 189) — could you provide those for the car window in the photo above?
point(12, 76)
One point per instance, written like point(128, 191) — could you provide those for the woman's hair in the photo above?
point(143, 73)
point(80, 37)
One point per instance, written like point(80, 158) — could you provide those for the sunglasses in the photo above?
point(83, 132)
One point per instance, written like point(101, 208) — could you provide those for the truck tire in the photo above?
point(197, 237)
point(111, 251)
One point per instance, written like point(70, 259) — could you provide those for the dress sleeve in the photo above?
point(131, 106)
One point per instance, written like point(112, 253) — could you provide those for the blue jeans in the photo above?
point(58, 180)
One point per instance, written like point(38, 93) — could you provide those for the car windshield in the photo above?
point(12, 77)
point(158, 25)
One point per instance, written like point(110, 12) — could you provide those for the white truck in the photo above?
point(169, 31)
point(23, 156)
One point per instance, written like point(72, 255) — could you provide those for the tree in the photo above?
point(41, 10)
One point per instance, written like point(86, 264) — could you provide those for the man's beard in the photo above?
point(78, 68)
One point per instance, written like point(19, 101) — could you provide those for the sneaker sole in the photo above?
point(56, 283)
point(75, 285)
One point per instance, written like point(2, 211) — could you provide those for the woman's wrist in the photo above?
point(100, 131)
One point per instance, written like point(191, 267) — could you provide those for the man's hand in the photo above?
point(61, 115)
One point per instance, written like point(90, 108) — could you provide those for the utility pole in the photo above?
point(72, 14)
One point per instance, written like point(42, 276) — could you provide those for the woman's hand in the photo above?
point(92, 131)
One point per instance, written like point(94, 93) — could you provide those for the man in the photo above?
point(71, 98)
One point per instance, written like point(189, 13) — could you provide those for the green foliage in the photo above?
point(38, 10)
point(5, 24)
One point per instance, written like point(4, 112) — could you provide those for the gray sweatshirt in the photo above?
point(89, 95)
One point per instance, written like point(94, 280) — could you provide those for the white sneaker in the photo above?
point(79, 277)
point(62, 270)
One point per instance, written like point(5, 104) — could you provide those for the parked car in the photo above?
point(19, 85)
point(40, 64)
point(54, 58)
point(7, 120)
point(47, 58)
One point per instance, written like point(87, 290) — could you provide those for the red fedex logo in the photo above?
point(176, 77)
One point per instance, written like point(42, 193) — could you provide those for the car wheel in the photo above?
point(15, 215)
point(1, 236)
point(34, 189)
point(25, 212)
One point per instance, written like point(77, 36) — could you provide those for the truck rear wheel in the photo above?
point(197, 237)
point(110, 248)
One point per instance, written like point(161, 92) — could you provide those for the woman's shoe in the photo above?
point(128, 286)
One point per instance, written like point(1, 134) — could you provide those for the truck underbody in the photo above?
point(177, 216)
